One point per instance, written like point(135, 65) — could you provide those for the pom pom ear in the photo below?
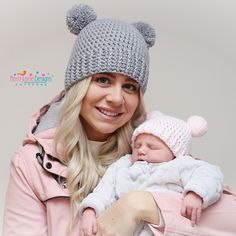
point(154, 115)
point(78, 17)
point(147, 32)
point(198, 126)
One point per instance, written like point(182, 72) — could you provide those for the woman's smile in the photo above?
point(110, 102)
point(108, 112)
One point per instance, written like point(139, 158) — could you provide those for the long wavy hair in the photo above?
point(84, 169)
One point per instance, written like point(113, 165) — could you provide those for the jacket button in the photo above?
point(48, 165)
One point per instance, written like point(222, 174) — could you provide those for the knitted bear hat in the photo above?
point(107, 45)
point(175, 133)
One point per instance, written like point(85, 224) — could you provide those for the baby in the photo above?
point(160, 162)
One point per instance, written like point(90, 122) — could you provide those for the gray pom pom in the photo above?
point(78, 17)
point(147, 32)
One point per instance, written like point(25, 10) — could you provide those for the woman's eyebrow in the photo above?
point(108, 74)
point(131, 80)
point(114, 76)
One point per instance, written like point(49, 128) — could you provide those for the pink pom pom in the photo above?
point(198, 126)
point(153, 115)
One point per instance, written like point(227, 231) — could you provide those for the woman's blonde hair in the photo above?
point(84, 169)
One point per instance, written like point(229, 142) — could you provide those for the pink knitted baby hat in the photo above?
point(175, 133)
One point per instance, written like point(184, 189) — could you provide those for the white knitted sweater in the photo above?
point(181, 175)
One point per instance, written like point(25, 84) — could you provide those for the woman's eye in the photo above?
point(102, 80)
point(130, 87)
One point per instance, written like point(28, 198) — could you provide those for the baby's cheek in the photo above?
point(134, 156)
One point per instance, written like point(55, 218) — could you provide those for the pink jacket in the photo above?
point(36, 205)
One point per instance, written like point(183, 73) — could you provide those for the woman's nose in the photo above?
point(115, 96)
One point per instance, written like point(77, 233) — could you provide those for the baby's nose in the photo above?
point(141, 151)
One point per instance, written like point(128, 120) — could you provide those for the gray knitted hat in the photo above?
point(107, 45)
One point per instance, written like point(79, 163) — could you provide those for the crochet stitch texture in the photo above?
point(107, 45)
point(175, 133)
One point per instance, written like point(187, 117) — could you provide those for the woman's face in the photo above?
point(110, 102)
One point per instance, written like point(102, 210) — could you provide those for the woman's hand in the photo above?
point(122, 218)
point(192, 207)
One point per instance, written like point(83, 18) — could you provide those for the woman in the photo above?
point(73, 139)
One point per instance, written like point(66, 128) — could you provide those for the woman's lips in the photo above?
point(108, 112)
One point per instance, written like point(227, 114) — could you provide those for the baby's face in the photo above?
point(151, 149)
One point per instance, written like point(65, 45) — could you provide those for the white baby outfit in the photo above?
point(182, 175)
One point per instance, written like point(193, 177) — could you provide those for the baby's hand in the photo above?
point(192, 207)
point(88, 223)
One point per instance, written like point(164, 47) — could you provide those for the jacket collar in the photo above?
point(45, 139)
